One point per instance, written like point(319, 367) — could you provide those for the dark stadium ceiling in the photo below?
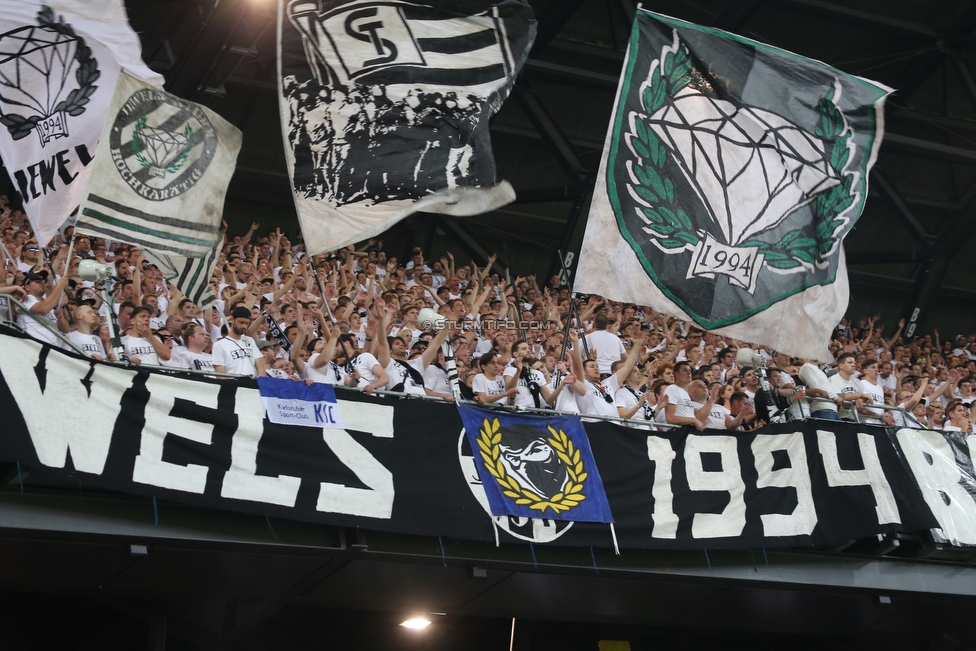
point(913, 239)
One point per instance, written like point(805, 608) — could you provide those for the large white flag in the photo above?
point(59, 61)
point(159, 181)
point(731, 173)
point(385, 108)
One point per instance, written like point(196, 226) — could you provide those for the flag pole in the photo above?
point(325, 300)
point(572, 313)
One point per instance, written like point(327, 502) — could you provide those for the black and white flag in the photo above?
point(59, 61)
point(159, 181)
point(385, 108)
point(731, 173)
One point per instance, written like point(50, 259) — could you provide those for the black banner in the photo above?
point(404, 465)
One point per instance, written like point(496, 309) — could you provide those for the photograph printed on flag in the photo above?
point(385, 109)
point(731, 173)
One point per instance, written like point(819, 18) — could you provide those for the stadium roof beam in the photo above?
point(952, 237)
point(550, 132)
point(546, 71)
point(864, 18)
point(736, 13)
point(885, 257)
point(552, 19)
point(928, 149)
point(966, 75)
point(908, 218)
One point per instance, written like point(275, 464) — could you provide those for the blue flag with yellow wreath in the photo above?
point(536, 466)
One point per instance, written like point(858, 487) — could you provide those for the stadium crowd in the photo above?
point(626, 362)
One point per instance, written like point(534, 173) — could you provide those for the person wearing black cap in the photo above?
point(237, 353)
point(36, 284)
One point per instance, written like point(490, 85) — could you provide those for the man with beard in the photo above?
point(527, 456)
point(237, 353)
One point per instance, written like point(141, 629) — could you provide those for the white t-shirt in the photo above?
point(609, 348)
point(683, 404)
point(435, 379)
point(330, 373)
point(624, 397)
point(90, 344)
point(889, 384)
point(840, 385)
point(876, 392)
point(566, 400)
point(398, 374)
point(140, 348)
point(594, 401)
point(236, 355)
point(365, 363)
point(716, 417)
point(491, 388)
point(34, 329)
point(524, 396)
point(195, 361)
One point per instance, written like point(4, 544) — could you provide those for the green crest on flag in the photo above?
point(733, 183)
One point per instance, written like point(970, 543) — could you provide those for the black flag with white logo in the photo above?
point(385, 109)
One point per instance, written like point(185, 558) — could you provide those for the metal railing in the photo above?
point(907, 415)
point(7, 318)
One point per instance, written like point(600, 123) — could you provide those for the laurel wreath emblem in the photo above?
point(86, 75)
point(137, 146)
point(671, 226)
point(488, 440)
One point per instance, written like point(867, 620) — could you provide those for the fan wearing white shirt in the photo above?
point(141, 345)
point(36, 284)
point(406, 375)
point(607, 345)
point(681, 408)
point(86, 318)
point(237, 353)
point(960, 419)
point(364, 367)
point(871, 386)
point(598, 398)
point(489, 385)
point(193, 358)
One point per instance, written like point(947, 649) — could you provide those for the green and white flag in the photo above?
point(159, 181)
point(731, 173)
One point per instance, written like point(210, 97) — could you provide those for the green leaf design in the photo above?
point(645, 194)
point(639, 148)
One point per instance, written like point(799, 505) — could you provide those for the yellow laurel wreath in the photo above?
point(572, 494)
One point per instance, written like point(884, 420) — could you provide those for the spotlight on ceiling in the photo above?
point(416, 623)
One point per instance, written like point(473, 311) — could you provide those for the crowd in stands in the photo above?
point(507, 336)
